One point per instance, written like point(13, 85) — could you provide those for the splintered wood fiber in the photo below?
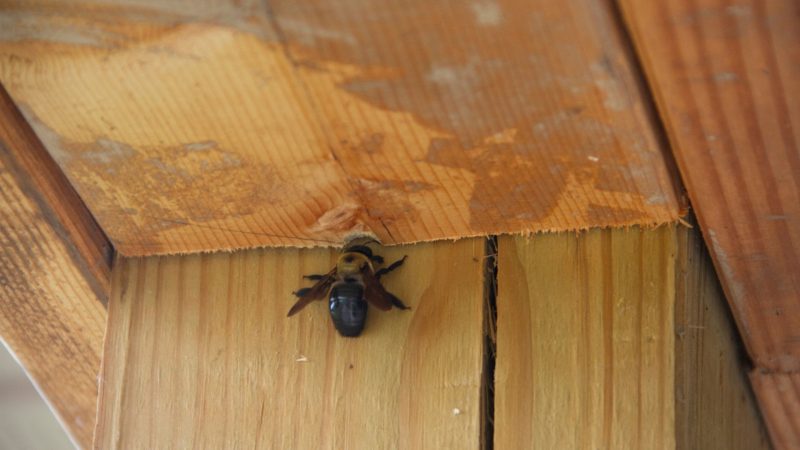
point(204, 126)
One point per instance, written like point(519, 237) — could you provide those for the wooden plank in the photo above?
point(726, 80)
point(779, 397)
point(46, 184)
point(398, 120)
point(585, 337)
point(204, 341)
point(726, 77)
point(715, 408)
point(53, 277)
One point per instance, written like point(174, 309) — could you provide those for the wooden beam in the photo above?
point(725, 79)
point(715, 407)
point(779, 397)
point(44, 183)
point(587, 337)
point(54, 275)
point(200, 353)
point(619, 332)
point(721, 73)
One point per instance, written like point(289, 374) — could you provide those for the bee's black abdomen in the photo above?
point(348, 308)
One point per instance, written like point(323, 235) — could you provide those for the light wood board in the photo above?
point(715, 407)
point(190, 126)
point(585, 342)
point(200, 354)
point(617, 339)
point(53, 277)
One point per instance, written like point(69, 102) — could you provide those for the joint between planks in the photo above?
point(489, 343)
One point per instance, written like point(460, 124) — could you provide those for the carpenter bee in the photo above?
point(349, 286)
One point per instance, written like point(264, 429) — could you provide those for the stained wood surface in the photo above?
point(585, 337)
point(200, 354)
point(726, 77)
point(190, 127)
point(727, 80)
point(53, 278)
point(714, 404)
point(779, 396)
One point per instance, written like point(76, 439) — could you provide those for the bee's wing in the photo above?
point(375, 293)
point(315, 292)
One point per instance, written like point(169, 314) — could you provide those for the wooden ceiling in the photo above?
point(195, 129)
point(198, 126)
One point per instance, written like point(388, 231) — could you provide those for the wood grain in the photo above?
point(585, 337)
point(727, 81)
point(587, 328)
point(715, 407)
point(53, 278)
point(726, 76)
point(44, 183)
point(200, 354)
point(779, 397)
point(222, 125)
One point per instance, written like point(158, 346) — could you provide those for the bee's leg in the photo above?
point(378, 259)
point(391, 267)
point(397, 302)
point(314, 277)
point(302, 292)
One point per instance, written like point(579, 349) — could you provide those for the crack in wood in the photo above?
point(489, 342)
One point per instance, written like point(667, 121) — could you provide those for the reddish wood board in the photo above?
point(779, 397)
point(727, 79)
point(726, 76)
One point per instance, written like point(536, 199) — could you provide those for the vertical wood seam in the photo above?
point(490, 342)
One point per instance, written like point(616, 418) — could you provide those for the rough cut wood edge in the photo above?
point(726, 82)
point(200, 353)
point(585, 340)
point(52, 316)
point(779, 397)
point(45, 183)
point(715, 407)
